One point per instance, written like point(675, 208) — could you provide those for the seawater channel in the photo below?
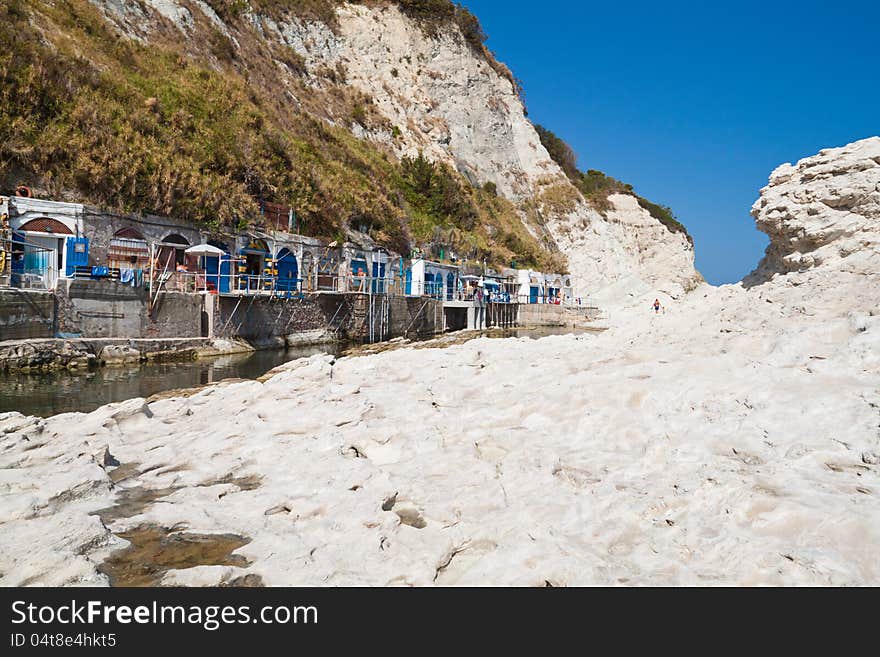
point(52, 393)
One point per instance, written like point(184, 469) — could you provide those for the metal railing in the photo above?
point(547, 300)
point(263, 285)
point(235, 284)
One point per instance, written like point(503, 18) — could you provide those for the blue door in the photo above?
point(378, 278)
point(77, 254)
point(220, 280)
point(225, 275)
point(408, 288)
point(450, 286)
point(533, 294)
point(288, 272)
point(17, 253)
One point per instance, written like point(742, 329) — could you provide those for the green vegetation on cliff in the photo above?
point(597, 187)
point(432, 15)
point(201, 135)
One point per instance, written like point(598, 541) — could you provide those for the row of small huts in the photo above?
point(43, 242)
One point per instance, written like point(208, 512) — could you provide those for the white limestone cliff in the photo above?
point(450, 104)
point(626, 253)
point(447, 101)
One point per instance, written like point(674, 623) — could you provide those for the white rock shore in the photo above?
point(732, 439)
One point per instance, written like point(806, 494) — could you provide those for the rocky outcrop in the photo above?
point(44, 355)
point(120, 354)
point(444, 99)
point(80, 353)
point(823, 260)
point(823, 214)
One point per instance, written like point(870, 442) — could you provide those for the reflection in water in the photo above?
point(64, 392)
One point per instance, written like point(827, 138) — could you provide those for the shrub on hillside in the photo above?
point(221, 46)
point(228, 10)
point(597, 187)
point(434, 14)
point(595, 184)
point(665, 216)
point(560, 152)
point(432, 189)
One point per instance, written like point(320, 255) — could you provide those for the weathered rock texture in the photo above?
point(823, 213)
point(625, 253)
point(732, 439)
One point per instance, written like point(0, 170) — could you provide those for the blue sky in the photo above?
point(695, 103)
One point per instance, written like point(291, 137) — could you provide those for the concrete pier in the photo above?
point(472, 316)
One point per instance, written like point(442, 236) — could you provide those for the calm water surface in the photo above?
point(52, 393)
point(63, 392)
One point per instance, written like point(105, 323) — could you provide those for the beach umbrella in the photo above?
point(205, 250)
point(208, 251)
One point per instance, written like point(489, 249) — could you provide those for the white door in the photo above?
point(43, 254)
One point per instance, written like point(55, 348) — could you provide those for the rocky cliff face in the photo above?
point(437, 95)
point(625, 253)
point(446, 100)
point(452, 105)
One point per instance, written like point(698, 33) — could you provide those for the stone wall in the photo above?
point(414, 317)
point(263, 321)
point(548, 315)
point(26, 314)
point(315, 318)
point(176, 315)
point(99, 309)
point(108, 309)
